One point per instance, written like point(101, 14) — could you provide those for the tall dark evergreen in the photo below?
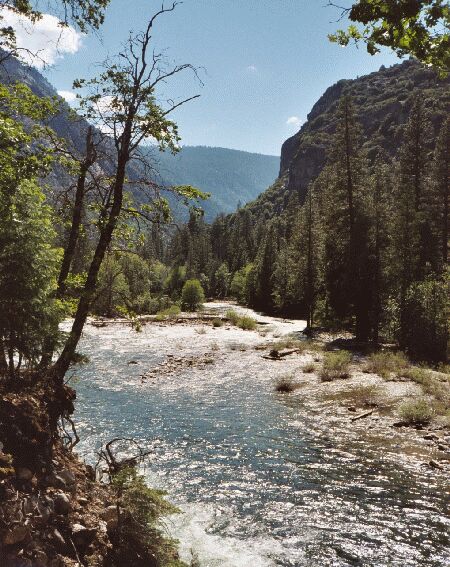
point(346, 224)
point(440, 194)
point(380, 211)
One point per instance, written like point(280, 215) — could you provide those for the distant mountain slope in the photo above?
point(231, 176)
point(382, 101)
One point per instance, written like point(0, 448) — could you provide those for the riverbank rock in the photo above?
point(62, 504)
point(17, 534)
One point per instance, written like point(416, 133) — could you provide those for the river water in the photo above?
point(261, 478)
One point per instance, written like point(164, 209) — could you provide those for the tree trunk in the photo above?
point(69, 250)
point(445, 211)
point(11, 358)
point(66, 357)
point(3, 361)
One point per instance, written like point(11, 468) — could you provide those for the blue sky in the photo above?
point(266, 63)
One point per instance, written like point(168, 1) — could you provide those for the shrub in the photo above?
point(386, 363)
point(430, 383)
point(201, 331)
point(239, 284)
point(425, 325)
point(286, 384)
point(217, 322)
point(169, 313)
point(246, 323)
point(444, 368)
point(139, 538)
point(365, 395)
point(416, 412)
point(308, 367)
point(232, 316)
point(416, 374)
point(192, 295)
point(335, 365)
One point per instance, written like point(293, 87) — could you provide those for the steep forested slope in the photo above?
point(230, 176)
point(355, 231)
point(382, 102)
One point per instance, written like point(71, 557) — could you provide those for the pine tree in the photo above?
point(28, 269)
point(264, 268)
point(280, 277)
point(346, 224)
point(306, 254)
point(380, 206)
point(440, 194)
point(28, 260)
point(411, 230)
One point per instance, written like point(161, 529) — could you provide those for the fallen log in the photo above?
point(277, 355)
point(362, 415)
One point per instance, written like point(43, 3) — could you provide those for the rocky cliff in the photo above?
point(382, 102)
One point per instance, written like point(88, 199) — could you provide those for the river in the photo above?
point(261, 478)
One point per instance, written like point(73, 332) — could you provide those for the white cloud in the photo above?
point(45, 39)
point(294, 121)
point(69, 96)
point(252, 69)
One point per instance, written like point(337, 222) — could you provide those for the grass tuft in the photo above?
point(431, 385)
point(247, 323)
point(308, 368)
point(243, 322)
point(292, 343)
point(166, 314)
point(232, 316)
point(416, 412)
point(386, 363)
point(286, 384)
point(365, 395)
point(200, 331)
point(335, 365)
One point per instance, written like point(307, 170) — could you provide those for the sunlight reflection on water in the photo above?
point(259, 480)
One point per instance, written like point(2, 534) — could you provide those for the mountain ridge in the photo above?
point(231, 176)
point(382, 101)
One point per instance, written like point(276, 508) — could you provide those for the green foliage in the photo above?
point(418, 28)
point(29, 314)
point(233, 316)
point(222, 281)
point(247, 323)
point(139, 538)
point(175, 281)
point(386, 364)
point(425, 327)
point(192, 295)
point(239, 287)
point(28, 269)
point(113, 290)
point(417, 412)
point(217, 322)
point(335, 365)
point(169, 313)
